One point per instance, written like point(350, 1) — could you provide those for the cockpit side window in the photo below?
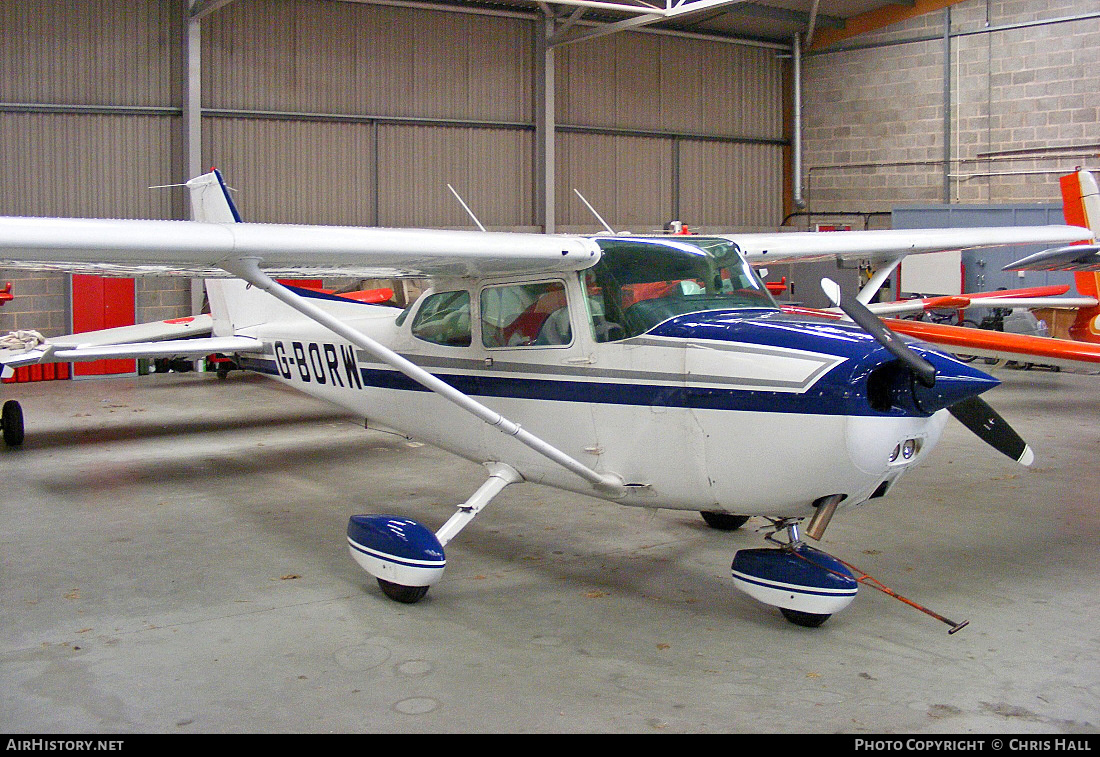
point(639, 283)
point(444, 318)
point(525, 315)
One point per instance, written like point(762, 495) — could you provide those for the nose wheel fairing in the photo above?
point(803, 582)
point(397, 551)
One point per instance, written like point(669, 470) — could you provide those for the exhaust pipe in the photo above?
point(825, 508)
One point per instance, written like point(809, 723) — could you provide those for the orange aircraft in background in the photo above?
point(1081, 207)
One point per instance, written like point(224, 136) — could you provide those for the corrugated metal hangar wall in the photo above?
point(360, 113)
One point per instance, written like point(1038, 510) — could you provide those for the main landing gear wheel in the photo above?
point(405, 594)
point(724, 521)
point(12, 422)
point(804, 619)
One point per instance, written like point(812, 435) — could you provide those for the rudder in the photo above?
point(210, 200)
point(1081, 207)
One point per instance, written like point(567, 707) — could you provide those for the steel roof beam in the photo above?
point(648, 15)
point(202, 8)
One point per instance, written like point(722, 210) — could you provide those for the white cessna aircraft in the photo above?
point(647, 371)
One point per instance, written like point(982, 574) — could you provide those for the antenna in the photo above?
point(465, 207)
point(598, 216)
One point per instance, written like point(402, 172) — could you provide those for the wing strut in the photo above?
point(878, 279)
point(249, 270)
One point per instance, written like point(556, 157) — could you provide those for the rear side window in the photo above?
point(525, 315)
point(444, 318)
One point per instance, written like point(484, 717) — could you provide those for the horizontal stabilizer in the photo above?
point(1080, 257)
point(176, 328)
point(53, 353)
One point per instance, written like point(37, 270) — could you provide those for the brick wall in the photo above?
point(41, 301)
point(1022, 94)
point(159, 298)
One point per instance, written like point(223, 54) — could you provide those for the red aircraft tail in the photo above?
point(1081, 206)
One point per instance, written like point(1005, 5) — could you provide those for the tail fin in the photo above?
point(210, 200)
point(211, 203)
point(1081, 207)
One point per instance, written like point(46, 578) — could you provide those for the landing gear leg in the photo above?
point(12, 422)
point(500, 476)
point(406, 557)
point(798, 617)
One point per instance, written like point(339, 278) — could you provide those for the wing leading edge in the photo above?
point(890, 244)
point(137, 247)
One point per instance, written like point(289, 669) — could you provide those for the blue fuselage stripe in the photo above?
point(825, 398)
point(615, 393)
point(839, 386)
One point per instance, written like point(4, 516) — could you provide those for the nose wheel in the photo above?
point(408, 595)
point(804, 619)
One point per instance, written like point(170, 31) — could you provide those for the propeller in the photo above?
point(973, 412)
point(858, 312)
point(976, 414)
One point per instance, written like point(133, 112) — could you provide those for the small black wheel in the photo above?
point(405, 594)
point(12, 421)
point(804, 619)
point(724, 521)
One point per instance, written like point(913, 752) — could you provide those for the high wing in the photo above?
point(219, 240)
point(136, 247)
point(220, 245)
point(887, 248)
point(892, 244)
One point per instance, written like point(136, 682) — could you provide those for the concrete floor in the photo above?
point(174, 561)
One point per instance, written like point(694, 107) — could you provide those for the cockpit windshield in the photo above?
point(639, 283)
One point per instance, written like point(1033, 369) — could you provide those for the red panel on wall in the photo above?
point(44, 372)
point(102, 303)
